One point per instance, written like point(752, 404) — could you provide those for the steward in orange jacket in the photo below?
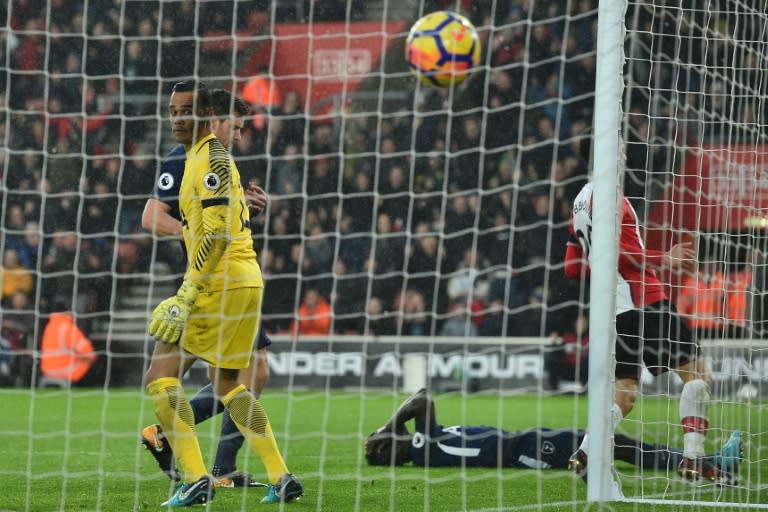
point(313, 317)
point(66, 353)
point(702, 300)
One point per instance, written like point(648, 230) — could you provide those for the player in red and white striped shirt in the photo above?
point(649, 331)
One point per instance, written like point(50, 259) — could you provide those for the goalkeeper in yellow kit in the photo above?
point(214, 316)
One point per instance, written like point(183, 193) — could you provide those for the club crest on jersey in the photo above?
point(212, 181)
point(165, 181)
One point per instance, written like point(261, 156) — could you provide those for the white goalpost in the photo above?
point(414, 236)
point(698, 181)
point(604, 249)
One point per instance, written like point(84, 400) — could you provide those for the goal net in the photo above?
point(694, 161)
point(413, 237)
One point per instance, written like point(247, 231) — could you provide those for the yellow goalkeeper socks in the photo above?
point(251, 419)
point(175, 416)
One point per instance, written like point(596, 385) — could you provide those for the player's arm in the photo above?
point(156, 218)
point(170, 316)
point(383, 448)
point(418, 406)
point(576, 263)
point(255, 198)
point(679, 256)
point(576, 252)
point(216, 222)
point(632, 252)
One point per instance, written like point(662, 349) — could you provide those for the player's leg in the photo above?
point(541, 448)
point(628, 368)
point(251, 419)
point(245, 410)
point(645, 455)
point(172, 407)
point(677, 348)
point(204, 404)
point(694, 401)
point(254, 377)
point(663, 457)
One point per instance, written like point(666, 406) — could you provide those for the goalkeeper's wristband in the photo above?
point(188, 292)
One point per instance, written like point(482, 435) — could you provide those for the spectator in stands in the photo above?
point(317, 260)
point(59, 267)
point(288, 174)
point(280, 272)
point(61, 211)
point(323, 176)
point(313, 317)
point(18, 316)
point(394, 194)
point(349, 299)
point(459, 227)
point(139, 65)
point(14, 220)
point(385, 285)
point(292, 119)
point(138, 177)
point(354, 246)
point(358, 203)
point(536, 222)
point(378, 321)
point(14, 276)
point(27, 246)
point(98, 211)
point(459, 321)
point(466, 165)
point(423, 263)
point(389, 157)
point(527, 319)
point(567, 358)
point(389, 245)
point(412, 318)
point(494, 322)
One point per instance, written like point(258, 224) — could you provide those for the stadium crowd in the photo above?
point(446, 218)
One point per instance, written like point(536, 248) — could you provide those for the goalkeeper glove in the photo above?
point(169, 316)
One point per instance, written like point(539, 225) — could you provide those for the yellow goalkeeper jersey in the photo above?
point(215, 219)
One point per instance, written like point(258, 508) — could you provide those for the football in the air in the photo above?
point(442, 48)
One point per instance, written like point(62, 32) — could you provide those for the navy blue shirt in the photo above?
point(169, 182)
point(483, 446)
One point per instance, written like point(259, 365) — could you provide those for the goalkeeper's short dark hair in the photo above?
point(201, 91)
point(225, 104)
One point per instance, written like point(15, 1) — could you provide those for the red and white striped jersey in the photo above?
point(638, 284)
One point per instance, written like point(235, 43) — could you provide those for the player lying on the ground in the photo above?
point(539, 448)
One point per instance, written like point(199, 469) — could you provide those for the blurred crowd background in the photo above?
point(446, 214)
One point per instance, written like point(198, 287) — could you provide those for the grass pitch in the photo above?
point(79, 450)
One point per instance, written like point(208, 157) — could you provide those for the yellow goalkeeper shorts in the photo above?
point(222, 327)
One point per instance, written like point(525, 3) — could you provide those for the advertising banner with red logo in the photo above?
point(719, 188)
point(323, 60)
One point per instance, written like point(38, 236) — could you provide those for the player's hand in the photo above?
point(681, 256)
point(170, 316)
point(255, 198)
